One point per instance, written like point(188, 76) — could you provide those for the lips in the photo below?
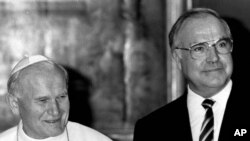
point(215, 69)
point(52, 121)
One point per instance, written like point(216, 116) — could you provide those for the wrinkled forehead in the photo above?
point(203, 21)
point(42, 76)
point(202, 29)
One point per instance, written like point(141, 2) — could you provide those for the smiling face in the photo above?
point(206, 76)
point(43, 104)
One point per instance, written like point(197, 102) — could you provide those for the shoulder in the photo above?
point(9, 135)
point(80, 132)
point(167, 111)
point(165, 119)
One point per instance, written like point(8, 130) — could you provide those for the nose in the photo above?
point(212, 55)
point(54, 109)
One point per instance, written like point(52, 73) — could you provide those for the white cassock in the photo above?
point(76, 132)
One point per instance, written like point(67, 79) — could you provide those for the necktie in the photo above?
point(207, 128)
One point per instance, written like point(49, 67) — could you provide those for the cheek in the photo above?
point(32, 112)
point(228, 64)
point(25, 108)
point(190, 67)
point(65, 106)
point(39, 111)
point(229, 67)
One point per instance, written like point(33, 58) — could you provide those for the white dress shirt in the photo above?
point(197, 112)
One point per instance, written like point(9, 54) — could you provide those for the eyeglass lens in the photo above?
point(223, 46)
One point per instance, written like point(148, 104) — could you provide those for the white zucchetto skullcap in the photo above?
point(28, 61)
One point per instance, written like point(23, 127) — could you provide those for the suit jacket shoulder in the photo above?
point(167, 122)
point(171, 122)
point(237, 115)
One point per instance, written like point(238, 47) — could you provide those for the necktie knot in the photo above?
point(208, 103)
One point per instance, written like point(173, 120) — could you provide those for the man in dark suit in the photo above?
point(213, 108)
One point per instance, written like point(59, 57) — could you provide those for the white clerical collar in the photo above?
point(21, 135)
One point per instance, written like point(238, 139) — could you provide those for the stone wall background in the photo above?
point(114, 51)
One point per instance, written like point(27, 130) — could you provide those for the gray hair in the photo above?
point(196, 12)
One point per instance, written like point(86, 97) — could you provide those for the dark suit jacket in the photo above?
point(171, 122)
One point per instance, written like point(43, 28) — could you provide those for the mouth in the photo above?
point(213, 70)
point(52, 121)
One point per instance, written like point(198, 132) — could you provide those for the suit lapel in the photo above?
point(184, 119)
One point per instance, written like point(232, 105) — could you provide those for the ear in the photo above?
point(176, 57)
point(12, 100)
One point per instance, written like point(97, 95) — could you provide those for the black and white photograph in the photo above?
point(124, 70)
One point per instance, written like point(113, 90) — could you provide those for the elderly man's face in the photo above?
point(206, 76)
point(44, 104)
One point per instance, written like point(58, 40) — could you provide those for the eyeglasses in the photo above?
point(200, 50)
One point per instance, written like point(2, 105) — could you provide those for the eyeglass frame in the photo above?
point(207, 45)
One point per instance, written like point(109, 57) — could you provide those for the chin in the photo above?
point(215, 83)
point(52, 132)
point(55, 133)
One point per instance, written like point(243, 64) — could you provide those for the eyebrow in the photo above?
point(64, 92)
point(222, 38)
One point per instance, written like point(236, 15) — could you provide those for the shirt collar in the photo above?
point(221, 97)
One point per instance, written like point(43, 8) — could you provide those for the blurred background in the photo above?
point(115, 51)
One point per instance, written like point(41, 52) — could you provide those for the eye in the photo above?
point(199, 48)
point(222, 44)
point(63, 96)
point(42, 100)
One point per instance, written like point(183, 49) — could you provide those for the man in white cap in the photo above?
point(37, 92)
